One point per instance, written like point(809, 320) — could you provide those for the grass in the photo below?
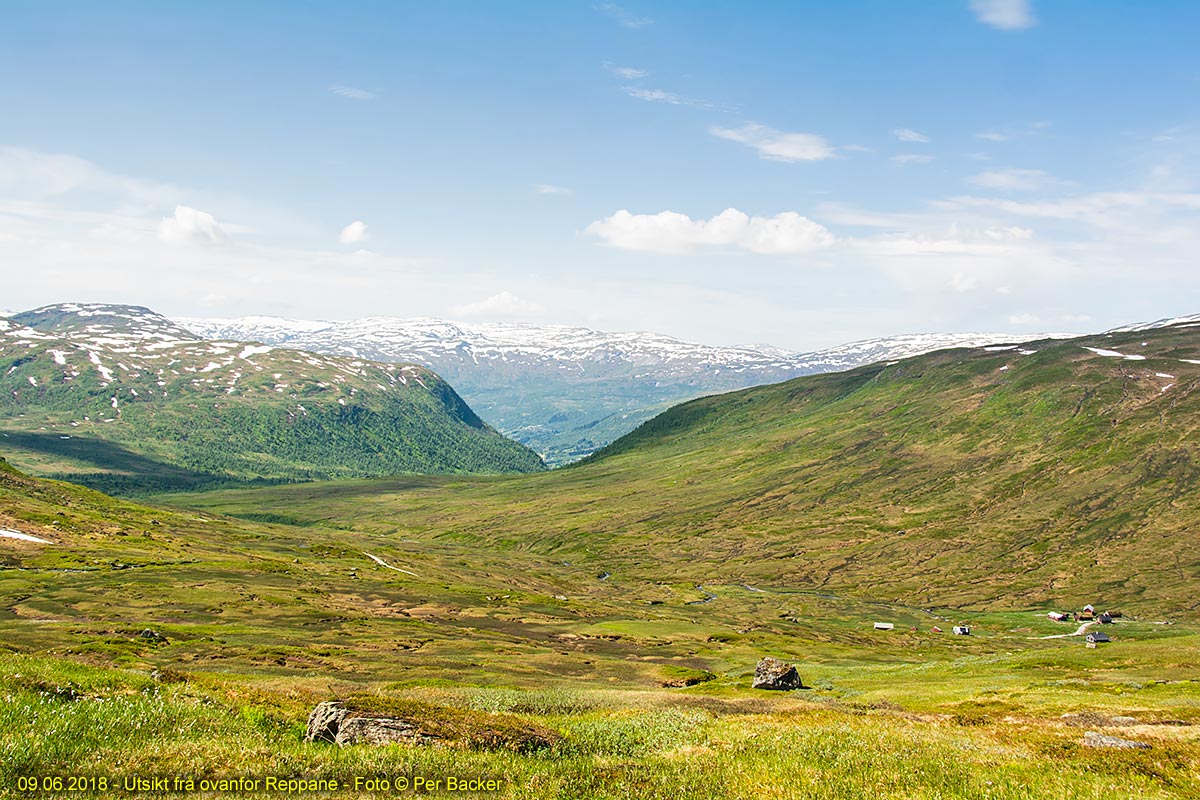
point(781, 521)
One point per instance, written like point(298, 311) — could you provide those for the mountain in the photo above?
point(1007, 476)
point(567, 391)
point(156, 406)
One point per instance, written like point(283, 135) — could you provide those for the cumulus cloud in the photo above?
point(191, 226)
point(909, 135)
point(550, 188)
point(1023, 319)
point(354, 232)
point(1011, 179)
point(774, 145)
point(1007, 15)
point(670, 232)
point(351, 93)
point(504, 304)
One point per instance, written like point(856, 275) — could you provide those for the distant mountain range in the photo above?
point(567, 391)
point(123, 399)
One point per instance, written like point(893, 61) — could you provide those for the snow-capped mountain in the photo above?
point(1194, 319)
point(566, 391)
point(214, 409)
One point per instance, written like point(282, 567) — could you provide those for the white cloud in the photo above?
point(354, 232)
point(623, 17)
point(1026, 180)
point(191, 226)
point(628, 73)
point(35, 175)
point(1035, 128)
point(911, 158)
point(550, 188)
point(1076, 317)
point(787, 233)
point(670, 98)
point(351, 93)
point(909, 135)
point(1023, 319)
point(774, 145)
point(1008, 15)
point(504, 304)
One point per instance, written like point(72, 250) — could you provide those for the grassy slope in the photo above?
point(131, 414)
point(264, 620)
point(965, 478)
point(504, 591)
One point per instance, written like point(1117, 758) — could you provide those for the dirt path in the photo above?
point(383, 563)
point(1078, 632)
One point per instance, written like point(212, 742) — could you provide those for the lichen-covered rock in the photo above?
point(1094, 739)
point(771, 673)
point(325, 722)
point(374, 719)
point(378, 730)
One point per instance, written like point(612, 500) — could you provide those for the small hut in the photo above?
point(962, 630)
point(1096, 637)
point(884, 626)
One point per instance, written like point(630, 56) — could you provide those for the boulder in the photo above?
point(370, 719)
point(771, 673)
point(1094, 739)
point(325, 721)
point(378, 730)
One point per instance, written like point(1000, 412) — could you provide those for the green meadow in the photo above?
point(622, 604)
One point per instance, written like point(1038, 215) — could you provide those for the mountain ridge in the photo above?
point(225, 409)
point(566, 391)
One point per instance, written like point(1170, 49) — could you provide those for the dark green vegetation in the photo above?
point(118, 398)
point(777, 521)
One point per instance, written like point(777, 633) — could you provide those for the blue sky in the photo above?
point(796, 173)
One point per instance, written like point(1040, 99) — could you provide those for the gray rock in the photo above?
point(1093, 739)
point(332, 722)
point(378, 730)
point(325, 721)
point(771, 673)
point(1123, 721)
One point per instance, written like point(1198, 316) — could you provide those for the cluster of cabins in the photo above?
point(1088, 614)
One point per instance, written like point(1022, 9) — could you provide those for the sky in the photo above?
point(794, 173)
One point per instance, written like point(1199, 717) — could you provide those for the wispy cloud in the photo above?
point(354, 232)
point(628, 73)
point(1008, 15)
point(774, 145)
point(623, 17)
point(787, 233)
point(909, 135)
point(503, 304)
point(904, 159)
point(1026, 180)
point(550, 188)
point(1014, 132)
point(351, 93)
point(670, 98)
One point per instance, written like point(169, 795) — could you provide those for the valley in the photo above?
point(566, 392)
point(623, 602)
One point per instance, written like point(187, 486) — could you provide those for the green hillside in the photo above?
point(119, 398)
point(1049, 474)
